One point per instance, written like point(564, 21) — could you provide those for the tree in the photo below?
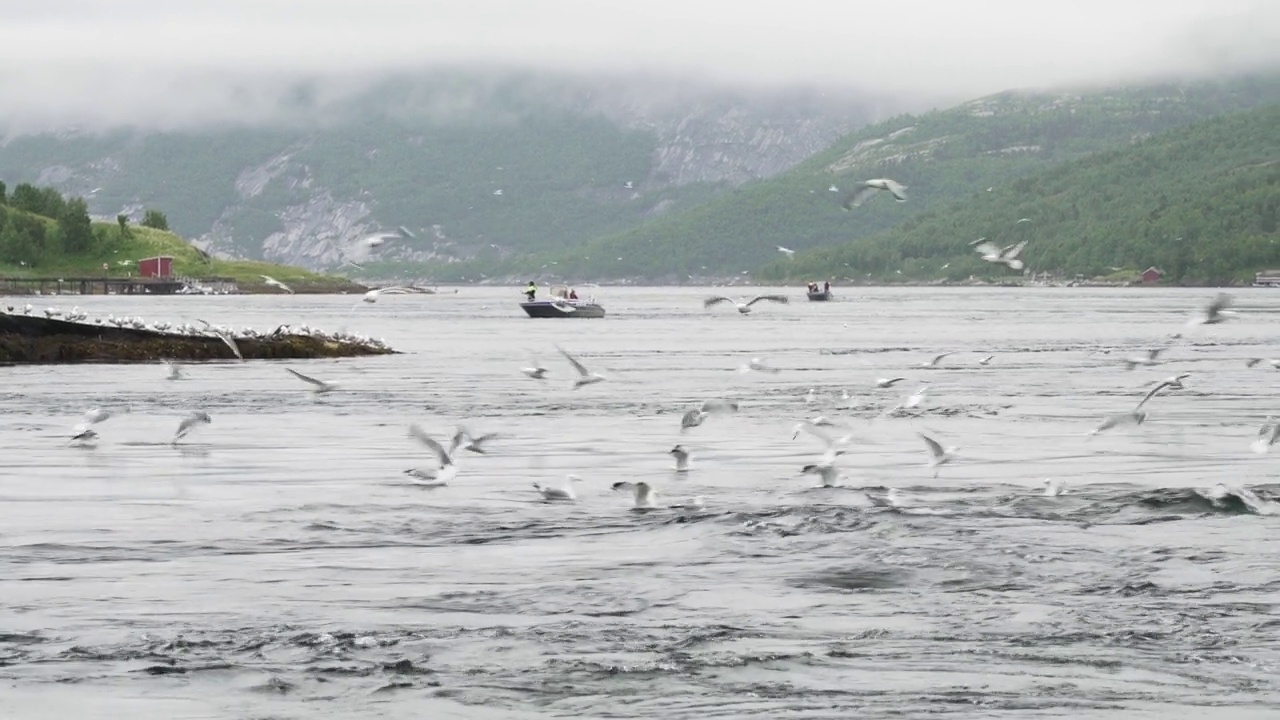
point(27, 197)
point(75, 226)
point(155, 219)
point(124, 226)
point(3, 191)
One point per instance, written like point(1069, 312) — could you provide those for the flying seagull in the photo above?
point(535, 371)
point(190, 423)
point(1002, 256)
point(1133, 417)
point(585, 377)
point(1152, 358)
point(373, 295)
point(642, 493)
point(317, 386)
point(1174, 382)
point(786, 251)
point(695, 417)
point(934, 362)
point(868, 188)
point(1215, 312)
point(938, 455)
point(744, 307)
point(276, 283)
point(758, 365)
point(1267, 435)
point(444, 457)
point(225, 338)
point(175, 370)
point(888, 382)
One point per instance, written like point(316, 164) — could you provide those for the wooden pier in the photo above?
point(106, 285)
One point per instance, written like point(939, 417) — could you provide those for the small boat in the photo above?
point(560, 305)
point(817, 295)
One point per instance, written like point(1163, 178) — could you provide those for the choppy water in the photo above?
point(278, 563)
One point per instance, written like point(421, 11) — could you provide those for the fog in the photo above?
point(161, 63)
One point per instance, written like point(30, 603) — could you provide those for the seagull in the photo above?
point(1270, 361)
point(225, 338)
point(379, 239)
point(83, 435)
point(786, 251)
point(1054, 488)
point(888, 382)
point(1267, 435)
point(682, 458)
point(695, 417)
point(190, 423)
point(868, 188)
point(745, 307)
point(1173, 381)
point(444, 457)
point(934, 362)
point(810, 396)
point(584, 376)
point(986, 360)
point(96, 415)
point(1133, 417)
point(1215, 312)
point(564, 493)
point(428, 476)
point(938, 455)
point(642, 493)
point(758, 365)
point(1004, 256)
point(535, 371)
point(317, 386)
point(373, 295)
point(175, 370)
point(276, 283)
point(463, 439)
point(826, 470)
point(1136, 360)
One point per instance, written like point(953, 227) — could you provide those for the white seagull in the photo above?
point(564, 493)
point(1152, 358)
point(190, 423)
point(744, 307)
point(1267, 435)
point(934, 362)
point(695, 417)
point(1275, 364)
point(786, 251)
point(448, 469)
point(986, 360)
point(535, 371)
point(642, 493)
point(888, 382)
point(224, 337)
point(758, 365)
point(1174, 382)
point(1054, 488)
point(585, 377)
point(682, 458)
point(83, 436)
point(1133, 417)
point(175, 370)
point(276, 283)
point(317, 386)
point(1003, 256)
point(373, 295)
point(938, 455)
point(867, 188)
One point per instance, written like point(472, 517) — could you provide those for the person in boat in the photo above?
point(573, 294)
point(826, 286)
point(531, 291)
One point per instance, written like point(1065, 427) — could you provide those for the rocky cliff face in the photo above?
point(467, 169)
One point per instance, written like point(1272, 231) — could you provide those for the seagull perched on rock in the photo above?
point(681, 454)
point(190, 423)
point(744, 307)
point(317, 386)
point(276, 283)
point(867, 188)
point(938, 455)
point(585, 377)
point(564, 493)
point(642, 493)
point(1007, 256)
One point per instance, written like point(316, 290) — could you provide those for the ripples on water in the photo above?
point(279, 564)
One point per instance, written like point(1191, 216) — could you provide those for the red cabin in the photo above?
point(1151, 274)
point(156, 267)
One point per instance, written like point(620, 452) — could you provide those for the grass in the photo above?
point(121, 255)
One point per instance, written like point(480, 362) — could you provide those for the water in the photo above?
point(278, 563)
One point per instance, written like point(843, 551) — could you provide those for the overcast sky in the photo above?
point(101, 62)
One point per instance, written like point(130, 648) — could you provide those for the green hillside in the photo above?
point(1201, 203)
point(941, 156)
point(62, 241)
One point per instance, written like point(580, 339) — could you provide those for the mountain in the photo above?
point(473, 165)
point(1201, 204)
point(942, 156)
